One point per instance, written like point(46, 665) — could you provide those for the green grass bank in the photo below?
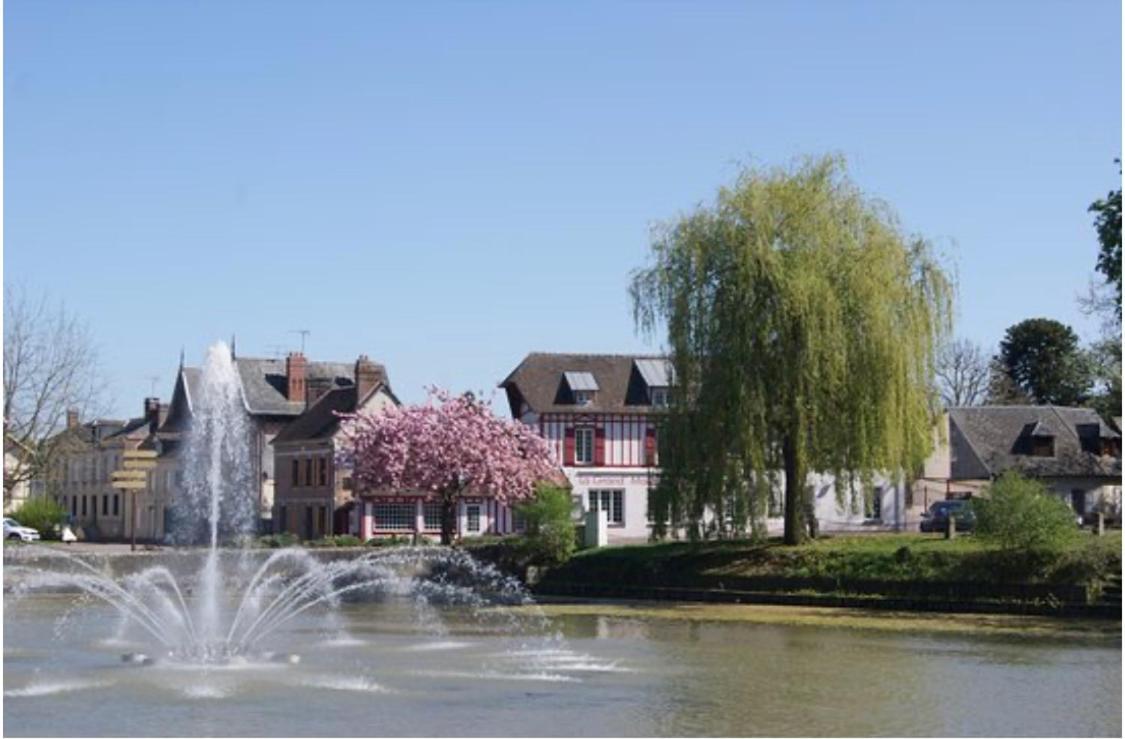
point(912, 571)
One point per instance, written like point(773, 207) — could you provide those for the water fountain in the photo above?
point(195, 624)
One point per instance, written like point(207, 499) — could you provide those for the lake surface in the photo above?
point(583, 675)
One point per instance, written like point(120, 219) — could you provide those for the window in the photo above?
point(321, 521)
point(105, 505)
point(583, 397)
point(394, 516)
point(584, 445)
point(322, 471)
point(296, 472)
point(283, 516)
point(472, 518)
point(610, 501)
point(1043, 446)
point(308, 472)
point(74, 506)
point(431, 515)
point(519, 523)
point(877, 504)
point(115, 501)
point(660, 397)
point(83, 506)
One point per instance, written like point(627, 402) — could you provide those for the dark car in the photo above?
point(937, 518)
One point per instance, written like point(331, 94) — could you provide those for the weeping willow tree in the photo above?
point(803, 325)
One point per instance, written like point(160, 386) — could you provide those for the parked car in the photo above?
point(937, 518)
point(13, 530)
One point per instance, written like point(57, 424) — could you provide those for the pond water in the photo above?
point(587, 675)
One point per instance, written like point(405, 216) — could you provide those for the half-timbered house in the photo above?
point(600, 413)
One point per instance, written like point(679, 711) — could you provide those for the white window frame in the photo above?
point(583, 397)
point(395, 516)
point(431, 515)
point(660, 397)
point(469, 509)
point(579, 432)
point(613, 499)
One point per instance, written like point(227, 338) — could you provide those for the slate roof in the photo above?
point(539, 381)
point(264, 385)
point(319, 421)
point(996, 434)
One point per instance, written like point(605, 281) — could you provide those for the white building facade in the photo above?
point(600, 414)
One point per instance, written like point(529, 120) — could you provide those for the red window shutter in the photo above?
point(568, 447)
point(599, 445)
point(650, 445)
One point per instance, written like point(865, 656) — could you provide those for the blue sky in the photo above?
point(449, 186)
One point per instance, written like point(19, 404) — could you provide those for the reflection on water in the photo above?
point(602, 676)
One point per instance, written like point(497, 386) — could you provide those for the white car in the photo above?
point(13, 530)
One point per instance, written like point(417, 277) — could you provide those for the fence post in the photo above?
point(950, 527)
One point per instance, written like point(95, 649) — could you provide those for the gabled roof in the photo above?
point(997, 435)
point(320, 420)
point(264, 387)
point(264, 383)
point(540, 381)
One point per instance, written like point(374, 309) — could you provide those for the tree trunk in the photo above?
point(448, 518)
point(794, 491)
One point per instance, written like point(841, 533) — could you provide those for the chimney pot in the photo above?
point(71, 418)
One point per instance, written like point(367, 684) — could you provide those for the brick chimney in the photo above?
point(367, 376)
point(71, 418)
point(295, 365)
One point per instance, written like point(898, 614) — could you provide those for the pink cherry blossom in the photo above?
point(453, 445)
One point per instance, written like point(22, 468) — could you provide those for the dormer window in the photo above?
point(582, 386)
point(658, 377)
point(1038, 440)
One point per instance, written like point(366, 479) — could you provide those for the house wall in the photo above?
point(307, 510)
point(20, 492)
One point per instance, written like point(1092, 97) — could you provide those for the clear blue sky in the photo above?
point(449, 186)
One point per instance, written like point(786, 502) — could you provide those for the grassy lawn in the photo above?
point(852, 618)
point(861, 557)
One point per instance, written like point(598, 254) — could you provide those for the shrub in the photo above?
point(1021, 514)
point(346, 540)
point(389, 541)
point(43, 514)
point(278, 541)
point(550, 539)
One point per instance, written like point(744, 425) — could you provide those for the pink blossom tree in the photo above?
point(451, 446)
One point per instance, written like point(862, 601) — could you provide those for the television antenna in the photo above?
point(152, 380)
point(304, 332)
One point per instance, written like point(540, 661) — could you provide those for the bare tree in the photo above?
point(50, 367)
point(962, 374)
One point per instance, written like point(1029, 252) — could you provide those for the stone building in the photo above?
point(1073, 451)
point(80, 481)
point(275, 393)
